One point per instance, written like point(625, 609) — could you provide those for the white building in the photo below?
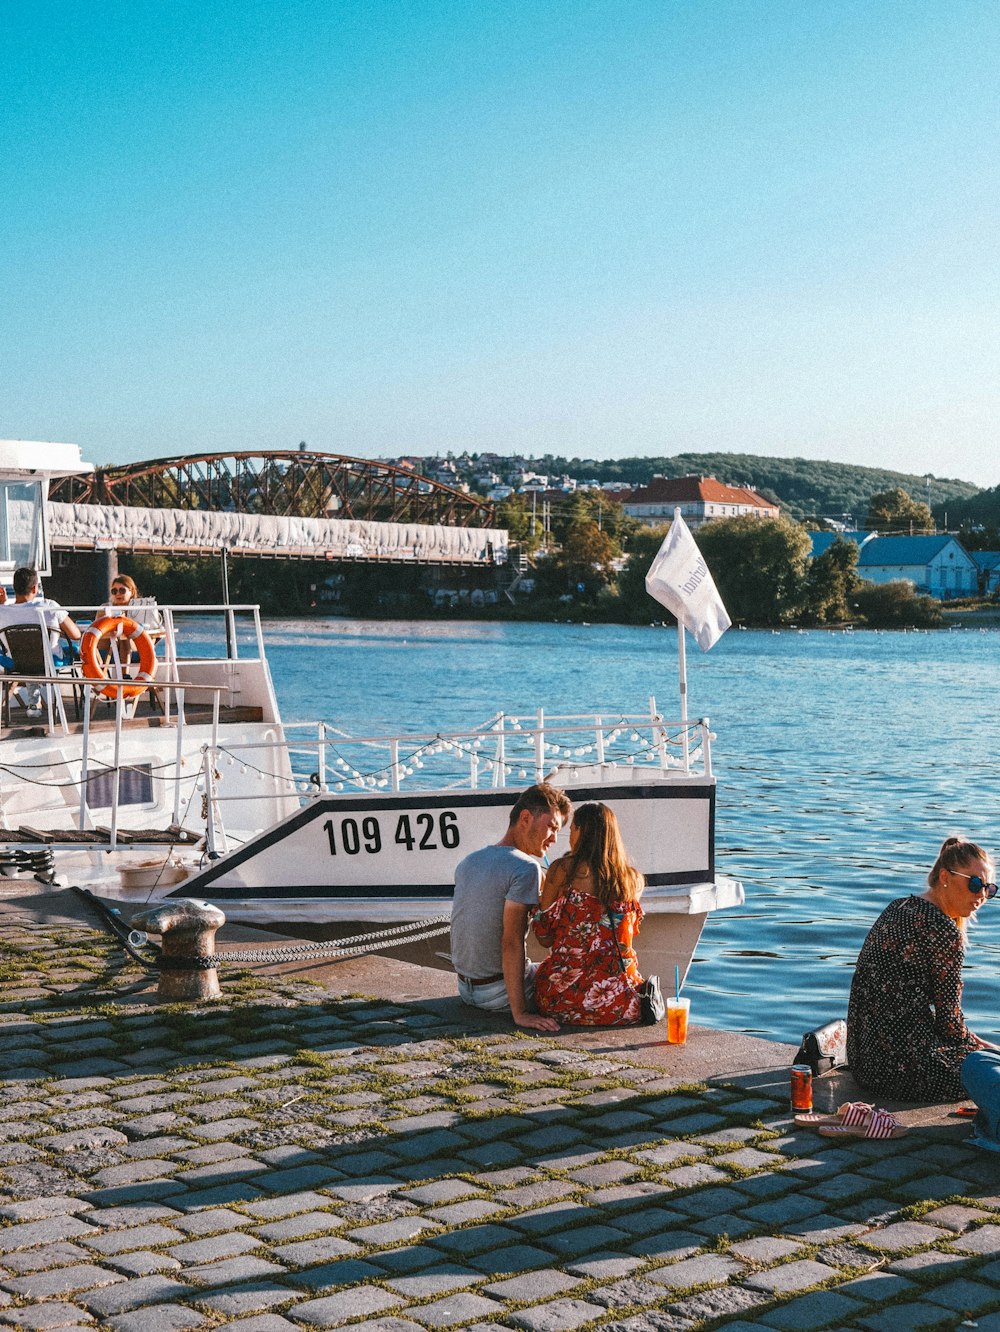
point(699, 498)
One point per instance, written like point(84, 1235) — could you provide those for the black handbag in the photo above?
point(825, 1048)
point(652, 1008)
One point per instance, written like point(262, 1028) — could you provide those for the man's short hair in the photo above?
point(542, 798)
point(25, 579)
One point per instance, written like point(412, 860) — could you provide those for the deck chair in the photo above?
point(29, 648)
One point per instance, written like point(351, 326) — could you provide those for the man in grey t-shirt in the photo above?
point(496, 890)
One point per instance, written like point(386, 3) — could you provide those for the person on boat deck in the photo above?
point(589, 914)
point(496, 889)
point(22, 610)
point(906, 1035)
point(123, 590)
point(125, 600)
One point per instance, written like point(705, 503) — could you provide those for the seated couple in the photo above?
point(586, 910)
point(907, 1037)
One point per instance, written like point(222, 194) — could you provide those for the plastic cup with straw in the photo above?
point(677, 1013)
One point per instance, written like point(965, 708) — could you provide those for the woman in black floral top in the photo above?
point(906, 1036)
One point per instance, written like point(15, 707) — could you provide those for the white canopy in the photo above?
point(97, 526)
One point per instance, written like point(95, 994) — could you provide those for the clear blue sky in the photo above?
point(592, 227)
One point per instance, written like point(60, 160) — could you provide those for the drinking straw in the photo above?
point(677, 982)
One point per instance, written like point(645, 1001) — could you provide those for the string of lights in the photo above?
point(644, 749)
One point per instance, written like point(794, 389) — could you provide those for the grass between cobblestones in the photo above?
point(282, 1159)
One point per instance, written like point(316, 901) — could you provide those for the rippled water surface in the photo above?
point(842, 761)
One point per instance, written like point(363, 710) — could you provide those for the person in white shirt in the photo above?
point(23, 609)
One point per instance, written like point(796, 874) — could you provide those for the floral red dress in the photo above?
point(581, 981)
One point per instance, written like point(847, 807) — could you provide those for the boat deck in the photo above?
point(147, 717)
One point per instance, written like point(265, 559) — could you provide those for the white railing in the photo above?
point(165, 630)
point(144, 613)
point(507, 750)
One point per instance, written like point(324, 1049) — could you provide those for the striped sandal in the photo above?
point(881, 1125)
point(850, 1113)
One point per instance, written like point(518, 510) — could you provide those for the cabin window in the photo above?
point(135, 787)
point(22, 525)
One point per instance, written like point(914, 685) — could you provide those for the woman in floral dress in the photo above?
point(590, 977)
point(906, 1034)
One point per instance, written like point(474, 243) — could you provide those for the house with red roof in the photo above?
point(699, 498)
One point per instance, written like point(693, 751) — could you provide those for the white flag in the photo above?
point(679, 579)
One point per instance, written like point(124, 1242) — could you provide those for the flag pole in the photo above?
point(680, 579)
point(682, 677)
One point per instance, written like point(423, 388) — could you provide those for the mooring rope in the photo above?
point(355, 946)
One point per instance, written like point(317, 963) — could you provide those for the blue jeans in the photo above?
point(980, 1075)
point(493, 997)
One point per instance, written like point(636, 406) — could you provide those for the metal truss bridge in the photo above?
point(277, 505)
point(283, 483)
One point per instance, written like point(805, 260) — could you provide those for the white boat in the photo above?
point(195, 787)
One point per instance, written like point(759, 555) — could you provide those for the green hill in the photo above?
point(979, 510)
point(802, 486)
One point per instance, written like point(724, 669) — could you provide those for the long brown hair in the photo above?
point(600, 849)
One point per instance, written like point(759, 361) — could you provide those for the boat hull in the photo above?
point(393, 857)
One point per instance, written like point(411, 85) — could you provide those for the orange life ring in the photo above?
point(117, 626)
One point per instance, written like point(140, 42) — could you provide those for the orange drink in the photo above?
point(677, 1021)
point(801, 1087)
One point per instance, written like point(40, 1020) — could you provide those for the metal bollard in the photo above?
point(188, 969)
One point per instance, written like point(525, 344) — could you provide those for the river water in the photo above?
point(842, 760)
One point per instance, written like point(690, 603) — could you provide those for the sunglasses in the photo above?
point(976, 884)
point(119, 591)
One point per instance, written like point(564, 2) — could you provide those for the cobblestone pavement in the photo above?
point(286, 1159)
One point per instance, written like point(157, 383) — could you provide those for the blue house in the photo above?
point(937, 565)
point(988, 564)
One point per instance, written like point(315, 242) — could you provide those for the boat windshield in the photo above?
point(22, 526)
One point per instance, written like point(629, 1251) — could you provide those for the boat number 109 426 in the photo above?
point(422, 832)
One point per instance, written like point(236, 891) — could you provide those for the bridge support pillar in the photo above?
point(107, 563)
point(82, 577)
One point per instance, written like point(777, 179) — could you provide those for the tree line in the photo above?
point(763, 568)
point(591, 563)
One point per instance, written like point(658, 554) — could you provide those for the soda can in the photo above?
point(801, 1087)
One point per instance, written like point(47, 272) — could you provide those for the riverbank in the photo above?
point(347, 1146)
point(973, 617)
point(311, 591)
point(610, 610)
